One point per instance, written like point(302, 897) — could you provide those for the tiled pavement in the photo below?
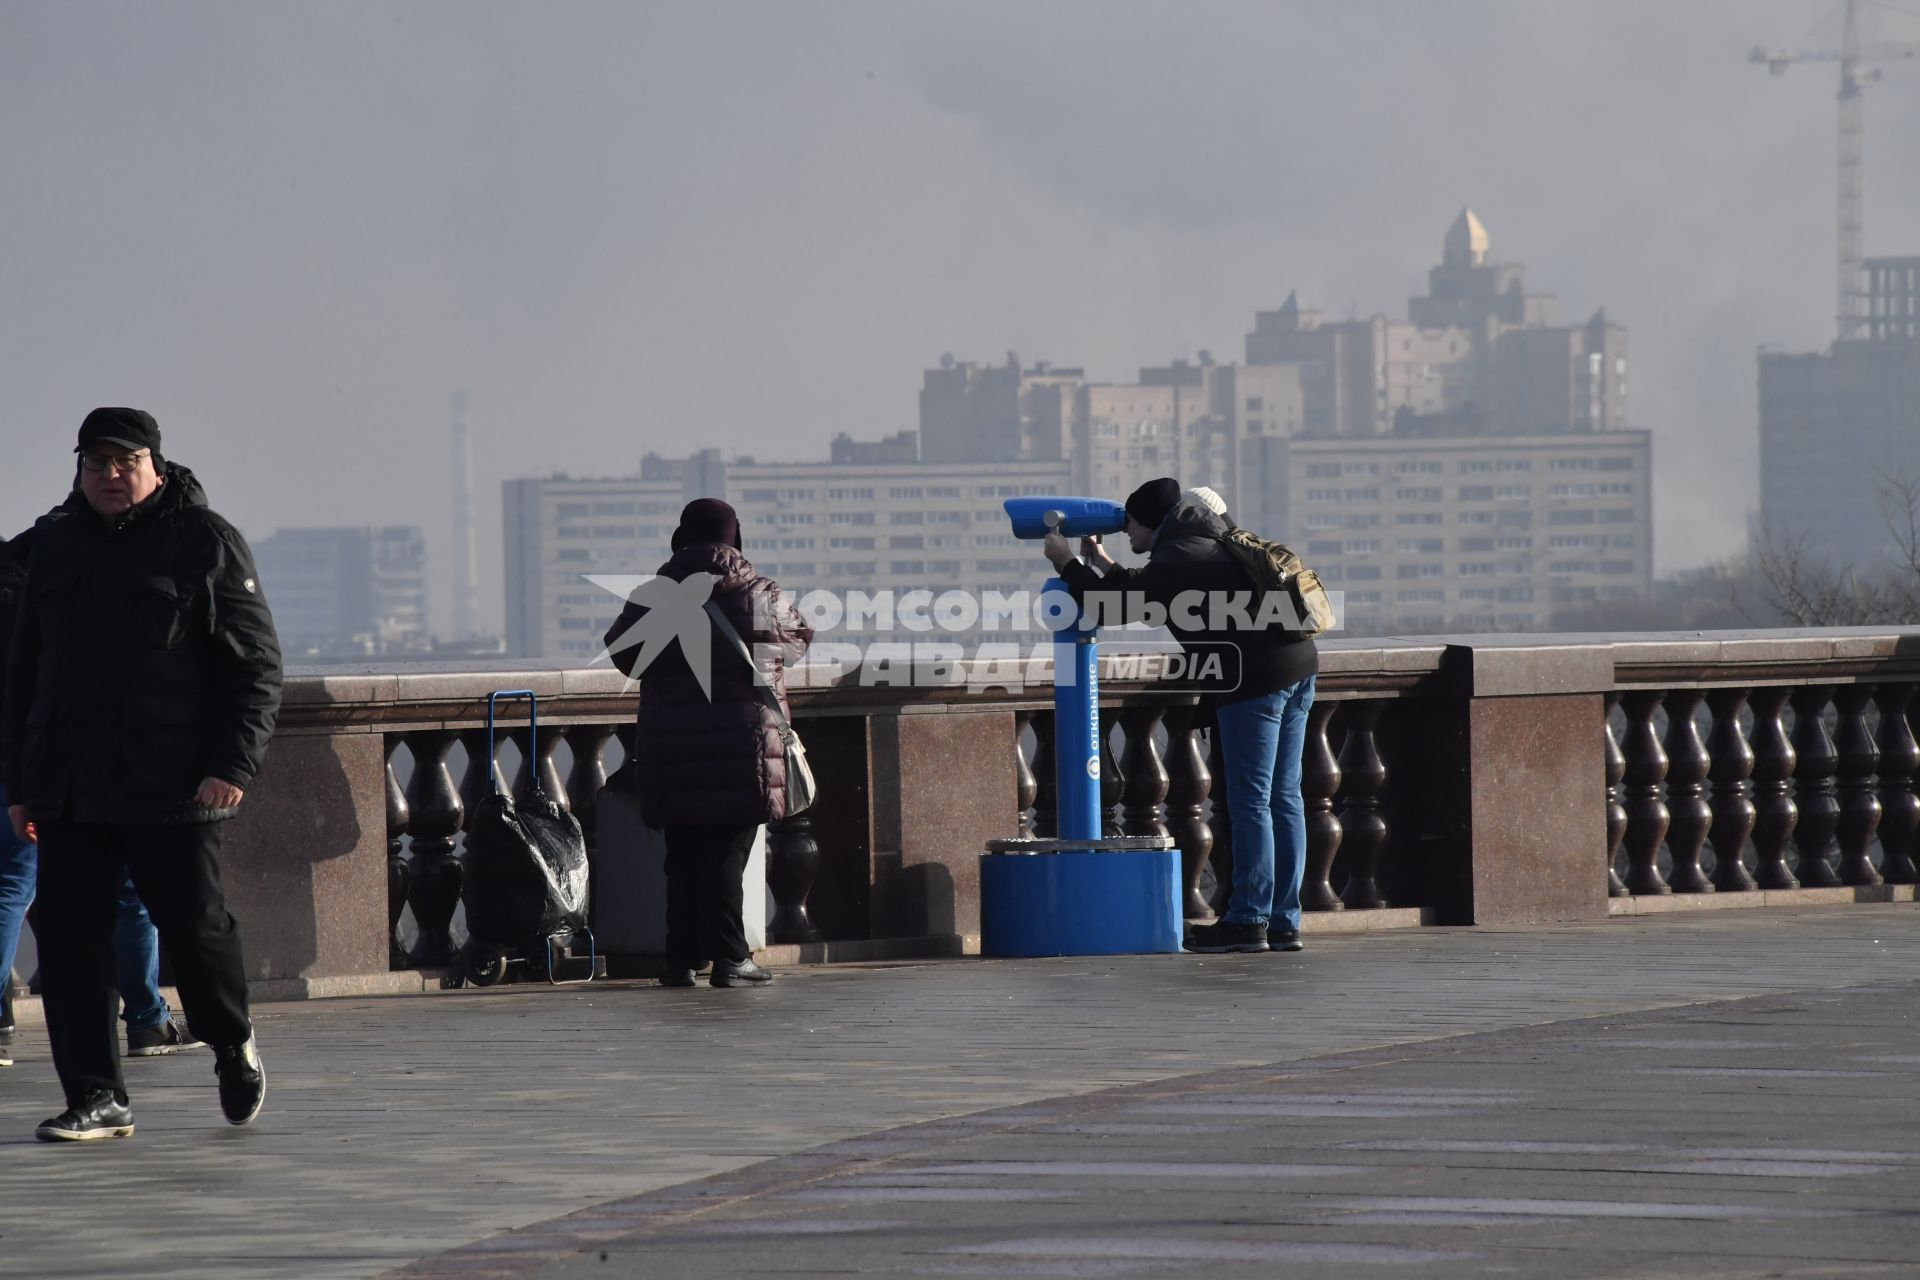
point(1722, 1094)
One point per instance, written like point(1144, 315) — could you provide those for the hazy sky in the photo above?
point(291, 230)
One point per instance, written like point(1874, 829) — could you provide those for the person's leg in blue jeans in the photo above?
point(136, 953)
point(1261, 741)
point(19, 868)
point(1289, 811)
point(1249, 739)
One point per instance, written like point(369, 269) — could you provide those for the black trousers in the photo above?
point(175, 872)
point(704, 895)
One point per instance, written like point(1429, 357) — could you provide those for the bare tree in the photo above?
point(1799, 587)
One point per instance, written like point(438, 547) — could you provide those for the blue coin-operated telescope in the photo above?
point(1073, 517)
point(1078, 894)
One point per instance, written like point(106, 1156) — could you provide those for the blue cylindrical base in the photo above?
point(1080, 903)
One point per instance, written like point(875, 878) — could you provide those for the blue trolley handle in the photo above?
point(533, 731)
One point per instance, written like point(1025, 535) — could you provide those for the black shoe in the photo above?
point(1285, 940)
point(243, 1081)
point(6, 1043)
point(1222, 936)
point(170, 1036)
point(739, 973)
point(99, 1115)
point(677, 978)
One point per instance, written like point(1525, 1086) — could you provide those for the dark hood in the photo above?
point(1189, 520)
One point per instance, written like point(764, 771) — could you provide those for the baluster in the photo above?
point(1616, 812)
point(1319, 780)
point(1813, 787)
point(437, 815)
point(1365, 826)
point(1733, 812)
point(1647, 817)
point(1688, 813)
point(1221, 859)
point(1025, 788)
point(1188, 784)
point(1859, 760)
point(550, 780)
point(588, 778)
point(399, 870)
point(1143, 772)
point(793, 860)
point(1899, 806)
point(1046, 785)
point(1112, 784)
point(1775, 814)
point(484, 776)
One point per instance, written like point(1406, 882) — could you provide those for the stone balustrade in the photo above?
point(1455, 780)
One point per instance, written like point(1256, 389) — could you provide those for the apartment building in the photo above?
point(1465, 534)
point(341, 593)
point(842, 527)
point(1838, 428)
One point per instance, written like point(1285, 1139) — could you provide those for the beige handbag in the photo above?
point(800, 785)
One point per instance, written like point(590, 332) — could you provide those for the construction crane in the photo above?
point(1854, 76)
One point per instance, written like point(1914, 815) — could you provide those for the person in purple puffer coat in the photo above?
point(711, 766)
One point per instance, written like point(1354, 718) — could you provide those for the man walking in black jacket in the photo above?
point(142, 687)
point(1257, 678)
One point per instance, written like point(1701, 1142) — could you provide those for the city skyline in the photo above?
point(625, 228)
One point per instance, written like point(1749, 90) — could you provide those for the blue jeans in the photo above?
point(19, 866)
point(136, 953)
point(1261, 740)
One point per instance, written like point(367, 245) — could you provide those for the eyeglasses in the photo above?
point(127, 462)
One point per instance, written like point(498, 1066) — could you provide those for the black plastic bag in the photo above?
point(526, 871)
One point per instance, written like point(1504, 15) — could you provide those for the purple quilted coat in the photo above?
point(720, 759)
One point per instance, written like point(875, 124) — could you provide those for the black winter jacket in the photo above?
point(711, 755)
point(143, 661)
point(13, 582)
point(1192, 578)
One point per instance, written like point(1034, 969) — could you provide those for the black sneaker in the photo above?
point(1224, 935)
point(677, 978)
point(6, 1043)
point(739, 973)
point(99, 1115)
point(170, 1036)
point(1284, 940)
point(243, 1081)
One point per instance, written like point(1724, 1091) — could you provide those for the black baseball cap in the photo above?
point(125, 428)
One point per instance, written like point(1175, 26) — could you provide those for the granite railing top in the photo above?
point(395, 696)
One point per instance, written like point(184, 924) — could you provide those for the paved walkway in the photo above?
point(1724, 1094)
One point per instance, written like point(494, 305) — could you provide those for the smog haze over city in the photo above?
point(291, 231)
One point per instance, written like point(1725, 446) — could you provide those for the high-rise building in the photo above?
point(1468, 467)
point(1838, 427)
point(1464, 533)
point(346, 593)
point(841, 526)
point(558, 531)
point(996, 413)
point(1477, 355)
